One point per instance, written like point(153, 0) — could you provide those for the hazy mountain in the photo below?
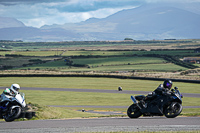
point(6, 22)
point(144, 22)
point(35, 34)
point(160, 22)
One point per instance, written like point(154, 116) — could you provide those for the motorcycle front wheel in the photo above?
point(12, 114)
point(173, 110)
point(133, 111)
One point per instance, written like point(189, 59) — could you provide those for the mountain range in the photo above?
point(146, 22)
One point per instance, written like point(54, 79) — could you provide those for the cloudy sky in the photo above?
point(37, 13)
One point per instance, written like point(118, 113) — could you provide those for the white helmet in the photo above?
point(15, 87)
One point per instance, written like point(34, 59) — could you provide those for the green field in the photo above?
point(23, 61)
point(38, 53)
point(118, 60)
point(97, 60)
point(140, 44)
point(64, 52)
point(94, 83)
point(111, 64)
point(127, 52)
point(121, 68)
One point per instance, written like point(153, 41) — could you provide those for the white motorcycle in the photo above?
point(11, 106)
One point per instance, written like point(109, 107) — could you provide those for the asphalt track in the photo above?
point(102, 125)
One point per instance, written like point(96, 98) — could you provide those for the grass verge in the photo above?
point(45, 112)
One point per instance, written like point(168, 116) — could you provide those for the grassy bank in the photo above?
point(45, 112)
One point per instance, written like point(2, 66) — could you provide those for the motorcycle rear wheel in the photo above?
point(12, 114)
point(133, 111)
point(173, 110)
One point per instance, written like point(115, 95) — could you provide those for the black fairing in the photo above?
point(140, 97)
point(156, 106)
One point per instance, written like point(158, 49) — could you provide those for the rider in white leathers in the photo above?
point(12, 90)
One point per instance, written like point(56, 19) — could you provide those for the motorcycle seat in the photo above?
point(140, 97)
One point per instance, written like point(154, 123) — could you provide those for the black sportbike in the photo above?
point(168, 104)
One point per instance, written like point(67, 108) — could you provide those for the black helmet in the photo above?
point(167, 84)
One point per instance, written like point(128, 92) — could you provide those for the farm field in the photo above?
point(180, 52)
point(110, 64)
point(38, 53)
point(102, 45)
point(100, 56)
point(140, 58)
point(124, 68)
point(162, 59)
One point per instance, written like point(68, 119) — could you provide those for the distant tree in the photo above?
point(128, 39)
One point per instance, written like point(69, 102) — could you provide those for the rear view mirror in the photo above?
point(176, 88)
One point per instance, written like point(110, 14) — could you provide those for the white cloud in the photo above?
point(40, 14)
point(36, 13)
point(56, 17)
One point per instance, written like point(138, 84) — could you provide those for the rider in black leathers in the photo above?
point(165, 87)
point(161, 90)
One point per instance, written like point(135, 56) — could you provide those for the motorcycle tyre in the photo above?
point(137, 112)
point(15, 116)
point(176, 113)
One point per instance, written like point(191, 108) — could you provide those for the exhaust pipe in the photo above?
point(135, 102)
point(133, 99)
